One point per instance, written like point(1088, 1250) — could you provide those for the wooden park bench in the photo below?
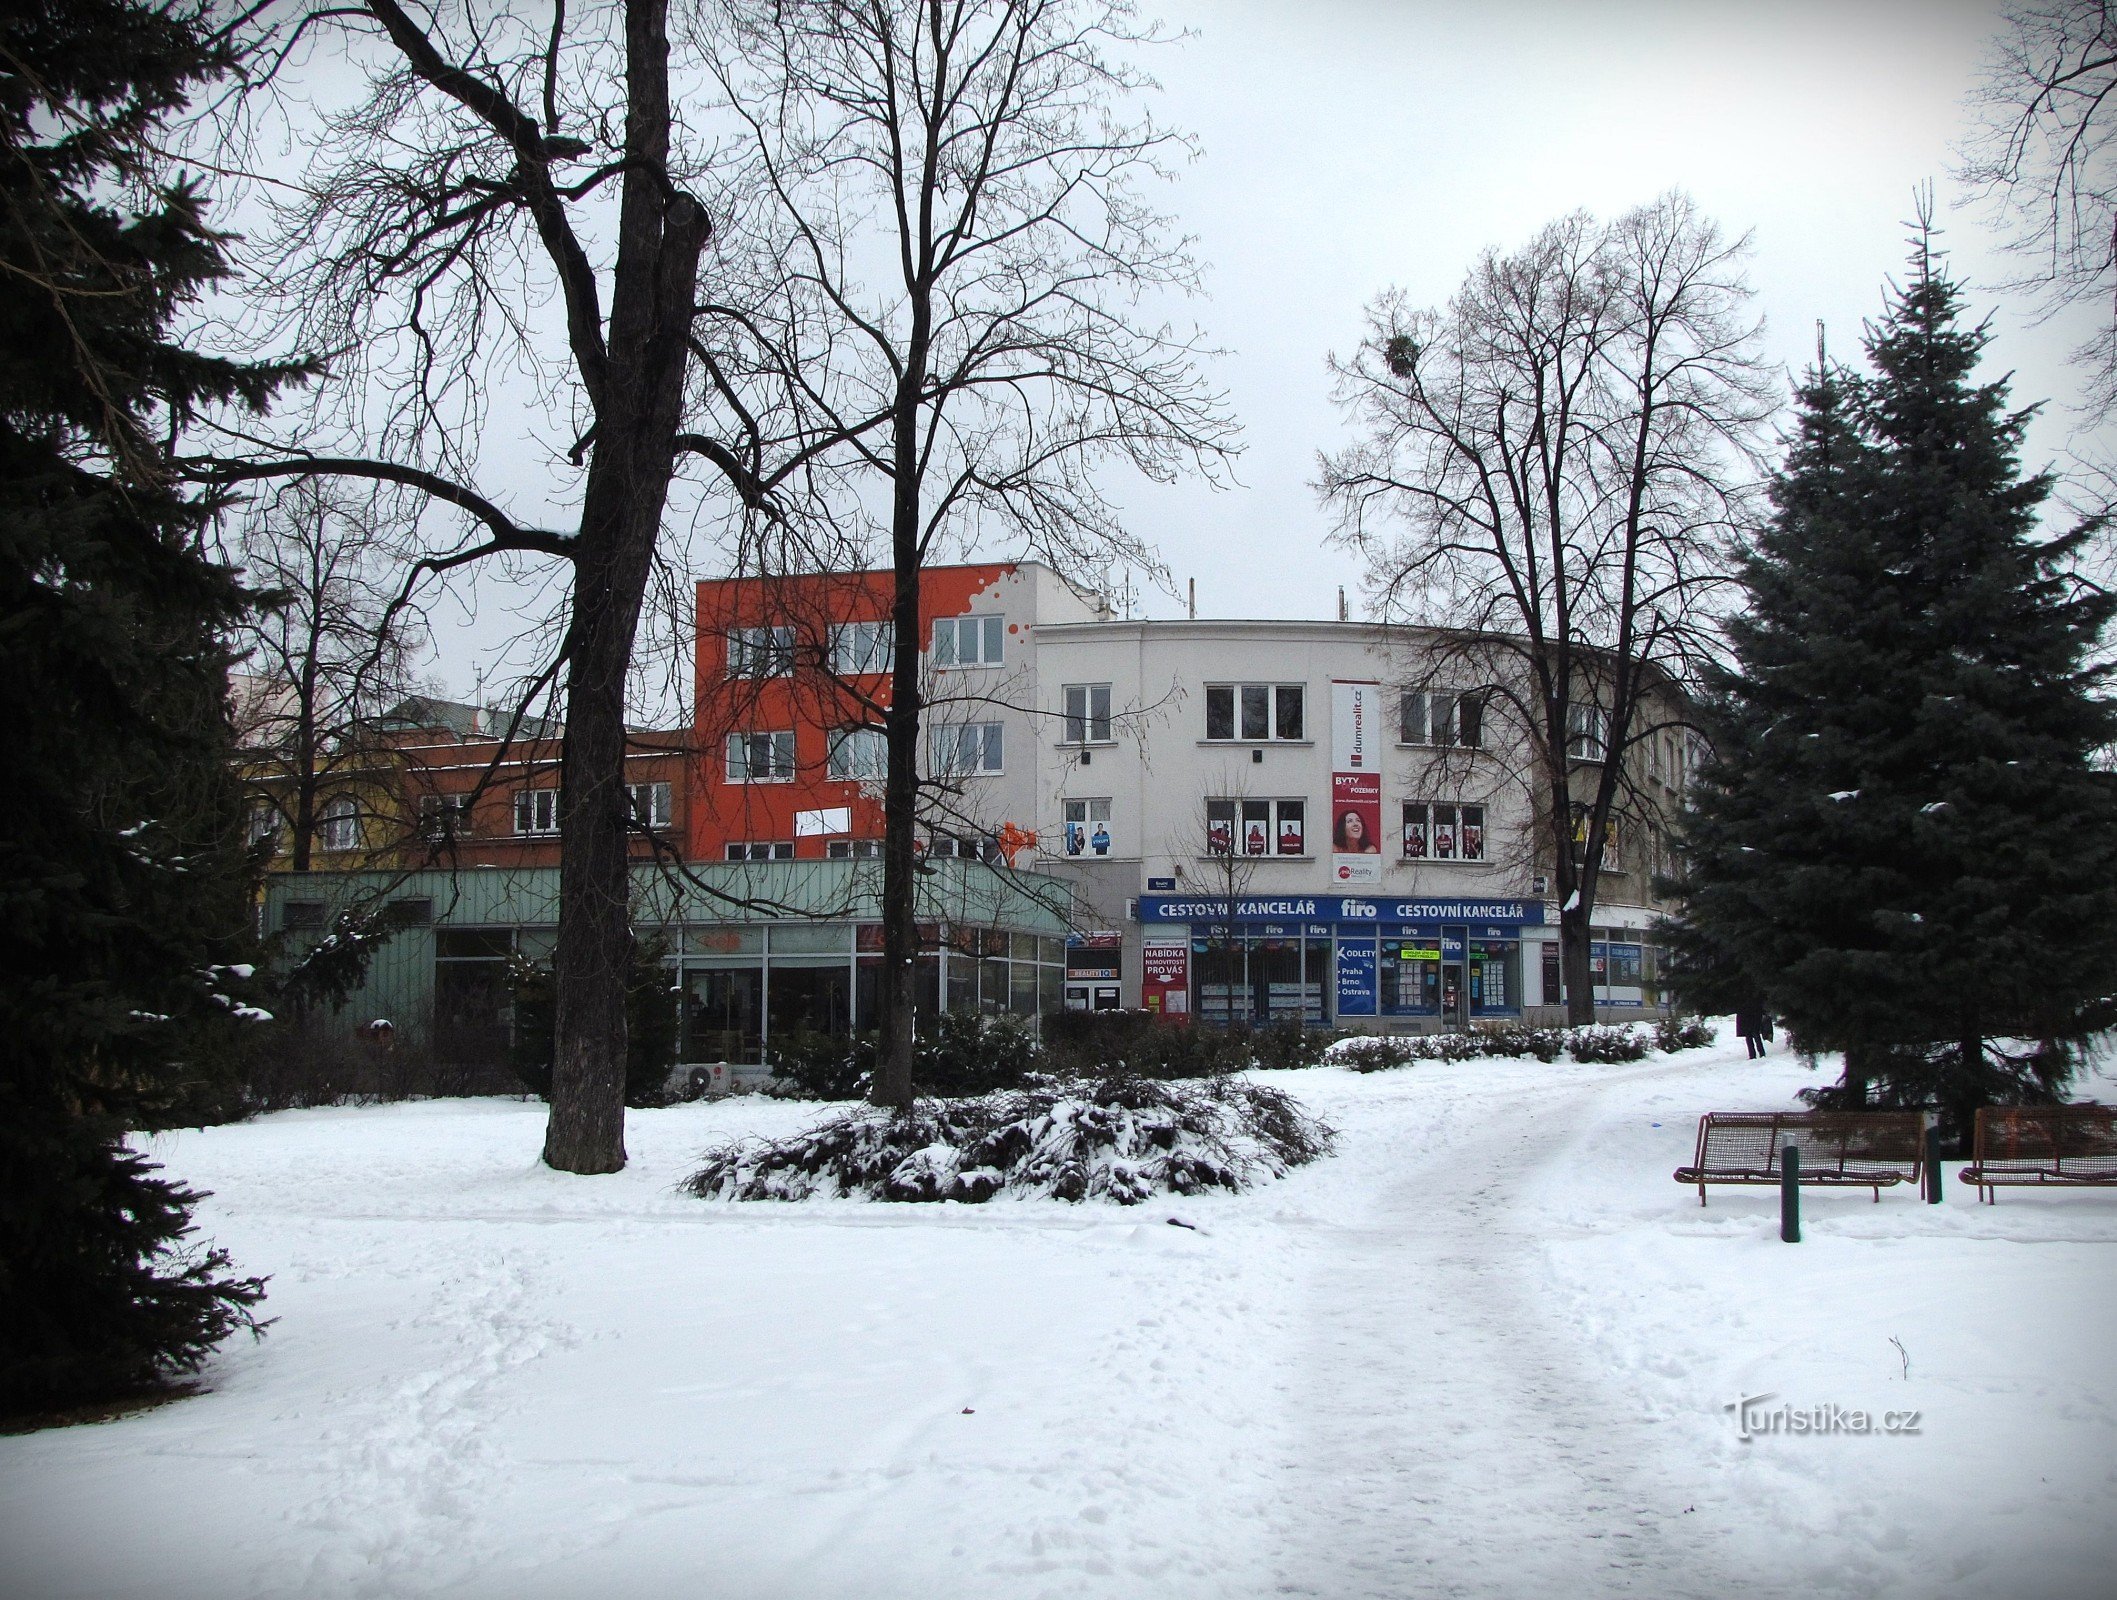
point(1850, 1149)
point(2071, 1145)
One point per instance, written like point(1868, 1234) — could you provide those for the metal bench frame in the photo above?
point(2064, 1146)
point(1839, 1149)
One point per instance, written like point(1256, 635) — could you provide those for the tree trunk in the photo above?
point(586, 1132)
point(639, 408)
point(1858, 1073)
point(1577, 964)
point(900, 928)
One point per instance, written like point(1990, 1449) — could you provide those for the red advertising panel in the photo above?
point(1165, 984)
point(1356, 783)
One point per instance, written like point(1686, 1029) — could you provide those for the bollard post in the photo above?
point(1790, 1194)
point(1933, 1163)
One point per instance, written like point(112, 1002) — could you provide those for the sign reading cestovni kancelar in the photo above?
point(1336, 908)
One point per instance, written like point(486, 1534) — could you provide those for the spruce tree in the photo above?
point(125, 885)
point(1902, 844)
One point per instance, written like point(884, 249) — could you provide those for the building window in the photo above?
point(853, 850)
point(1441, 717)
point(962, 749)
point(338, 827)
point(1612, 840)
point(962, 847)
point(760, 652)
point(1438, 831)
point(782, 850)
point(858, 753)
point(969, 641)
point(301, 916)
point(444, 816)
point(1587, 733)
point(264, 823)
point(536, 811)
point(1087, 713)
point(761, 757)
point(1087, 830)
point(1253, 713)
point(650, 804)
point(862, 647)
point(1257, 827)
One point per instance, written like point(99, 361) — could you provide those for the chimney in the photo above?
point(1343, 614)
point(1194, 599)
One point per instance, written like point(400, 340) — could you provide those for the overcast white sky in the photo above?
point(1353, 144)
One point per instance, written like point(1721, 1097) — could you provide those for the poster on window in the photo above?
point(1357, 737)
point(1165, 979)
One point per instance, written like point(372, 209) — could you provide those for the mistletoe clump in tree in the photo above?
point(125, 881)
point(1903, 844)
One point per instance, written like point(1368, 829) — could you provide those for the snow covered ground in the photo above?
point(1483, 1351)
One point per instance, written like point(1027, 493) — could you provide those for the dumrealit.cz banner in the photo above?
point(1356, 736)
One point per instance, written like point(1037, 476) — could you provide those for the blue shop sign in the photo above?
point(1356, 980)
point(1496, 917)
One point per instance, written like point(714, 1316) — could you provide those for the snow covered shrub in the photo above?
point(1144, 1044)
point(1117, 1138)
point(1683, 1033)
point(1375, 1052)
point(1605, 1044)
point(958, 1053)
point(965, 1054)
point(650, 1024)
point(1519, 1039)
point(1288, 1044)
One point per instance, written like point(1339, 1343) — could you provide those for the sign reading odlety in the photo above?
point(1336, 908)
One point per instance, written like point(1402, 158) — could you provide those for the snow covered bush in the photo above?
point(1518, 1039)
point(1605, 1044)
point(1121, 1138)
point(1683, 1033)
point(1143, 1044)
point(957, 1053)
point(1378, 1052)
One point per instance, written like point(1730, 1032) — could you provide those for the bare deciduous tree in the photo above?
point(512, 207)
point(1550, 472)
point(962, 225)
point(2043, 151)
point(327, 652)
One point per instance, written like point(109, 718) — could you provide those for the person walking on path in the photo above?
point(1756, 1030)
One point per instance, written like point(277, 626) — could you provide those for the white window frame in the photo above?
point(1439, 717)
point(742, 750)
point(338, 825)
point(983, 743)
point(536, 813)
point(1467, 823)
point(763, 850)
point(444, 816)
point(1241, 812)
point(1277, 696)
point(1086, 815)
point(857, 755)
point(757, 653)
point(652, 803)
point(853, 850)
point(1587, 733)
point(859, 649)
point(1087, 713)
point(984, 633)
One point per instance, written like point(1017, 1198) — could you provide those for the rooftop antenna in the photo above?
point(1194, 599)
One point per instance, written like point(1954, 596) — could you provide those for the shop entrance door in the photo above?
point(1455, 995)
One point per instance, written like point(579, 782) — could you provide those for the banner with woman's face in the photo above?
point(1357, 739)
